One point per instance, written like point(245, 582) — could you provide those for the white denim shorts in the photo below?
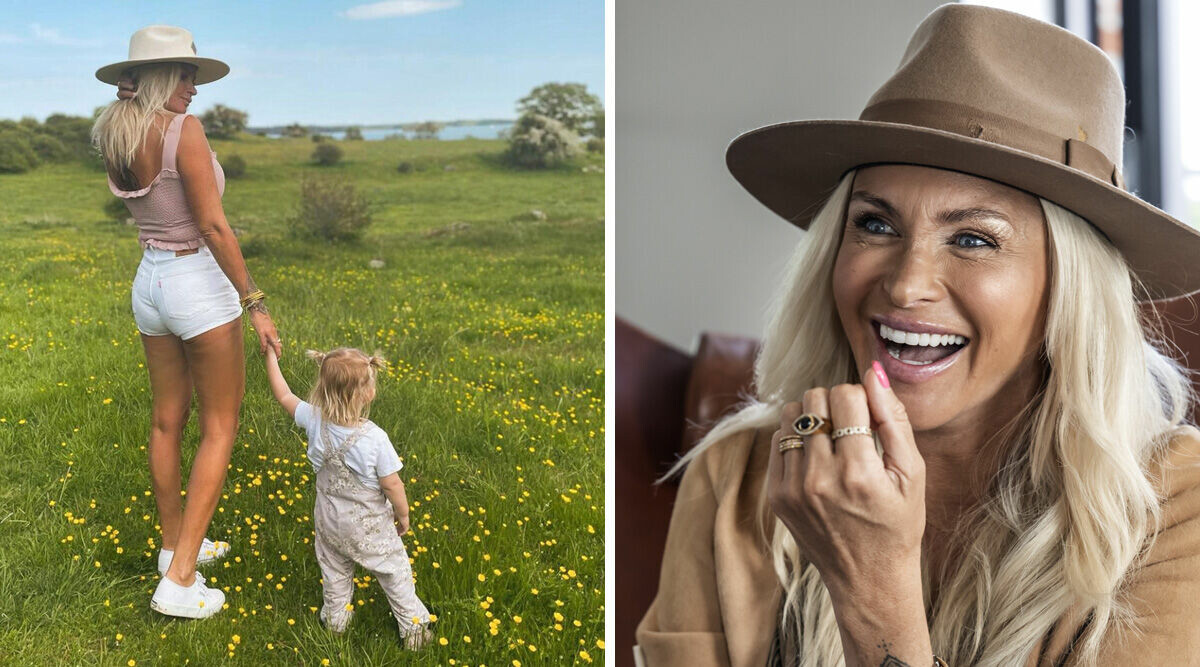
point(184, 296)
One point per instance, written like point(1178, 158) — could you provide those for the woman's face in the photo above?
point(927, 254)
point(184, 91)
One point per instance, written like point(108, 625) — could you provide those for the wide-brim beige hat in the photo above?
point(164, 44)
point(993, 94)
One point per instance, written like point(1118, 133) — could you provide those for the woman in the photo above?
point(185, 294)
point(965, 298)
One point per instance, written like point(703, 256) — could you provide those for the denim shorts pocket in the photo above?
point(186, 295)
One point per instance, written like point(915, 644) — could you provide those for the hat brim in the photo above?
point(793, 167)
point(207, 69)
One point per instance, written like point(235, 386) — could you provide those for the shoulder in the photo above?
point(1178, 467)
point(733, 459)
point(191, 134)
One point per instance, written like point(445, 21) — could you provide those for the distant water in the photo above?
point(448, 133)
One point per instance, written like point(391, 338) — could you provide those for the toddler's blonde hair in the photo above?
point(344, 383)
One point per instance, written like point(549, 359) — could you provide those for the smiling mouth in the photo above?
point(916, 349)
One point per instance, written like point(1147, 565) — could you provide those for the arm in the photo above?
point(393, 488)
point(279, 386)
point(200, 186)
point(683, 627)
point(1162, 591)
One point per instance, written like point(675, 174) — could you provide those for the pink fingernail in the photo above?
point(879, 373)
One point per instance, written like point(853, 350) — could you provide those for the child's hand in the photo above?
point(401, 525)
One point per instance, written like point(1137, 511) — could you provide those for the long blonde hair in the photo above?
point(343, 391)
point(121, 128)
point(1068, 513)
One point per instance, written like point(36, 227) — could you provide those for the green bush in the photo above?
point(537, 142)
point(318, 138)
point(327, 154)
point(353, 134)
point(16, 152)
point(48, 148)
point(234, 166)
point(331, 211)
point(405, 167)
point(115, 209)
point(595, 145)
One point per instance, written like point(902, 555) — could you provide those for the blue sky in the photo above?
point(313, 61)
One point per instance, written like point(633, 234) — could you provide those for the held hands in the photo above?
point(857, 517)
point(267, 335)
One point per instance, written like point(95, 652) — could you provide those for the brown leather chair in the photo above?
point(667, 400)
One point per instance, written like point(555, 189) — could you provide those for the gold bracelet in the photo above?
point(252, 298)
point(938, 662)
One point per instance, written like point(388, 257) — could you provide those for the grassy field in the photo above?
point(494, 399)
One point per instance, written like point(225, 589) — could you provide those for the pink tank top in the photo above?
point(160, 209)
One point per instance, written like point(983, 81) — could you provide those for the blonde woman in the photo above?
point(188, 295)
point(966, 447)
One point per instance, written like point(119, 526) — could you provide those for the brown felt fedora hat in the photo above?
point(993, 94)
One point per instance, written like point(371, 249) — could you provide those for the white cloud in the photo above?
point(54, 37)
point(392, 8)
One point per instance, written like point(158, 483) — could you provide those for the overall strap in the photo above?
point(340, 452)
point(171, 142)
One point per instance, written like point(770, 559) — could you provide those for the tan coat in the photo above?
point(718, 596)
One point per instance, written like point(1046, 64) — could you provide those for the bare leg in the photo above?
point(218, 368)
point(171, 396)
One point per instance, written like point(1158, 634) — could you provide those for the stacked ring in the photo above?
point(790, 442)
point(852, 430)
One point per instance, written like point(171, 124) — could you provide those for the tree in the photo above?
point(353, 133)
point(295, 130)
point(426, 130)
point(537, 142)
point(222, 122)
point(568, 103)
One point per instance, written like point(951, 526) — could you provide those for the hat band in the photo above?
point(994, 128)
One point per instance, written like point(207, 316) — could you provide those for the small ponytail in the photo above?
point(376, 361)
point(316, 356)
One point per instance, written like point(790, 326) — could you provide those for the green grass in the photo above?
point(494, 399)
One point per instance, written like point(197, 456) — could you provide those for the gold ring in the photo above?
point(852, 430)
point(808, 424)
point(788, 442)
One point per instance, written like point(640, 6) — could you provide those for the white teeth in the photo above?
point(924, 339)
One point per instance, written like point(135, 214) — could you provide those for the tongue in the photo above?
point(926, 354)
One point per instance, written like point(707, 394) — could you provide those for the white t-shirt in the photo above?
point(369, 459)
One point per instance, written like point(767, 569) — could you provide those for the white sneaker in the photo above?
point(195, 601)
point(336, 620)
point(209, 551)
point(417, 638)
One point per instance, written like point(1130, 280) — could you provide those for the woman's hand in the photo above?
point(126, 88)
point(857, 517)
point(267, 335)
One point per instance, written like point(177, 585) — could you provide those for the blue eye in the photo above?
point(972, 241)
point(872, 225)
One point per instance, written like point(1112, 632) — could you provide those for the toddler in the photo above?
point(356, 468)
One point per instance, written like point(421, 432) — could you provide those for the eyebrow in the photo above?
point(949, 217)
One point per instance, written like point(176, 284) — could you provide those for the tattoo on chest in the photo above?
point(890, 660)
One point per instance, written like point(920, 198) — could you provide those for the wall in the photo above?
point(695, 252)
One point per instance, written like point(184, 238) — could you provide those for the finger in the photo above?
point(848, 406)
point(792, 458)
point(895, 432)
point(818, 448)
point(775, 463)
